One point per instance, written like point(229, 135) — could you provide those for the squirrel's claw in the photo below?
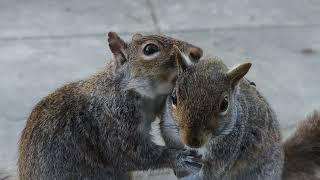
point(189, 162)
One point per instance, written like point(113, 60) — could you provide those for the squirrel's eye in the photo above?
point(174, 97)
point(224, 104)
point(150, 49)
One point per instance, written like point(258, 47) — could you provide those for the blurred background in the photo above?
point(45, 44)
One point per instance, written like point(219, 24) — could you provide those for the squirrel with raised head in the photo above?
point(98, 128)
point(216, 111)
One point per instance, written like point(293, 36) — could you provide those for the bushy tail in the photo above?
point(302, 151)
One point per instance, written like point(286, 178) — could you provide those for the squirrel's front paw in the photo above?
point(188, 162)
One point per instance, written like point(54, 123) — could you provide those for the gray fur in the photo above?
point(247, 144)
point(98, 128)
point(169, 130)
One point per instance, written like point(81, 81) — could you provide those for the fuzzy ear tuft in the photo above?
point(183, 61)
point(238, 72)
point(118, 47)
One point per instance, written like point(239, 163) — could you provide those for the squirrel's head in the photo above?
point(204, 99)
point(151, 58)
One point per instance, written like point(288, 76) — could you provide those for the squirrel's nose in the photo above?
point(195, 53)
point(195, 142)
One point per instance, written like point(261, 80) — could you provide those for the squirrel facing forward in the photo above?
point(216, 111)
point(98, 128)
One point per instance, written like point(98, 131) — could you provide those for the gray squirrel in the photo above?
point(98, 128)
point(216, 111)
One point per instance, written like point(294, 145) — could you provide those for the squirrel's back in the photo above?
point(302, 151)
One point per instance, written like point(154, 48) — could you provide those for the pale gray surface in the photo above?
point(60, 18)
point(206, 14)
point(44, 44)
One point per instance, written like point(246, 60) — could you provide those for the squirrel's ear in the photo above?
point(118, 47)
point(183, 61)
point(238, 72)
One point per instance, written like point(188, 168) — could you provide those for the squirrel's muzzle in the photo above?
point(193, 140)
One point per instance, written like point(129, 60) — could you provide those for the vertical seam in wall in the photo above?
point(154, 17)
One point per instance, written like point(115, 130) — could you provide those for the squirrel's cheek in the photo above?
point(213, 124)
point(183, 136)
